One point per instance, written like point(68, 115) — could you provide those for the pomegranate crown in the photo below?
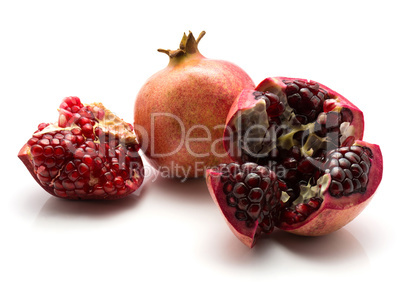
point(188, 45)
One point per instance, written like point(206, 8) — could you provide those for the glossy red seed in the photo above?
point(240, 190)
point(97, 163)
point(44, 142)
point(303, 209)
point(50, 162)
point(42, 126)
point(48, 151)
point(59, 136)
point(90, 151)
point(255, 195)
point(68, 184)
point(338, 174)
point(69, 167)
point(98, 190)
point(86, 159)
point(118, 181)
point(79, 183)
point(54, 142)
point(39, 160)
point(109, 187)
point(36, 150)
point(53, 171)
point(79, 153)
point(79, 139)
point(336, 188)
point(76, 131)
point(74, 175)
point(45, 180)
point(32, 141)
point(87, 129)
point(42, 170)
point(58, 185)
point(83, 168)
point(254, 211)
point(58, 151)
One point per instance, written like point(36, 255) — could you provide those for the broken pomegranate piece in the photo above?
point(311, 137)
point(248, 196)
point(89, 153)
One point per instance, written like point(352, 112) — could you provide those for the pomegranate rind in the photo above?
point(334, 213)
point(244, 102)
point(276, 84)
point(245, 234)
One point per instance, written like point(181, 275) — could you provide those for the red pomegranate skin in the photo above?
point(180, 113)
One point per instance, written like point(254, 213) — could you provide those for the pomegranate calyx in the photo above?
point(188, 46)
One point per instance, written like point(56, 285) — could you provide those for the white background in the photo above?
point(172, 232)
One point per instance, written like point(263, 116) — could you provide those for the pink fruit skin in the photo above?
point(198, 92)
point(214, 183)
point(272, 83)
point(335, 213)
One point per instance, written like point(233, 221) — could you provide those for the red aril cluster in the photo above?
point(248, 196)
point(349, 168)
point(88, 154)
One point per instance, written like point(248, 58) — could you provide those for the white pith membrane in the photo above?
point(252, 133)
point(309, 191)
point(110, 124)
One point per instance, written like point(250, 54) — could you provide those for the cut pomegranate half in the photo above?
point(89, 153)
point(310, 136)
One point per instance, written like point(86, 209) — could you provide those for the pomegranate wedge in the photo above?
point(88, 154)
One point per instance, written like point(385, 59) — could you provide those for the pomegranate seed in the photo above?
point(39, 160)
point(32, 141)
point(83, 168)
point(118, 181)
point(73, 176)
point(79, 183)
point(58, 151)
point(50, 162)
point(69, 167)
point(48, 151)
point(68, 185)
point(108, 187)
point(36, 150)
point(86, 159)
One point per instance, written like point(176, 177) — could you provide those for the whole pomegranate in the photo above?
point(180, 112)
point(89, 153)
point(310, 136)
